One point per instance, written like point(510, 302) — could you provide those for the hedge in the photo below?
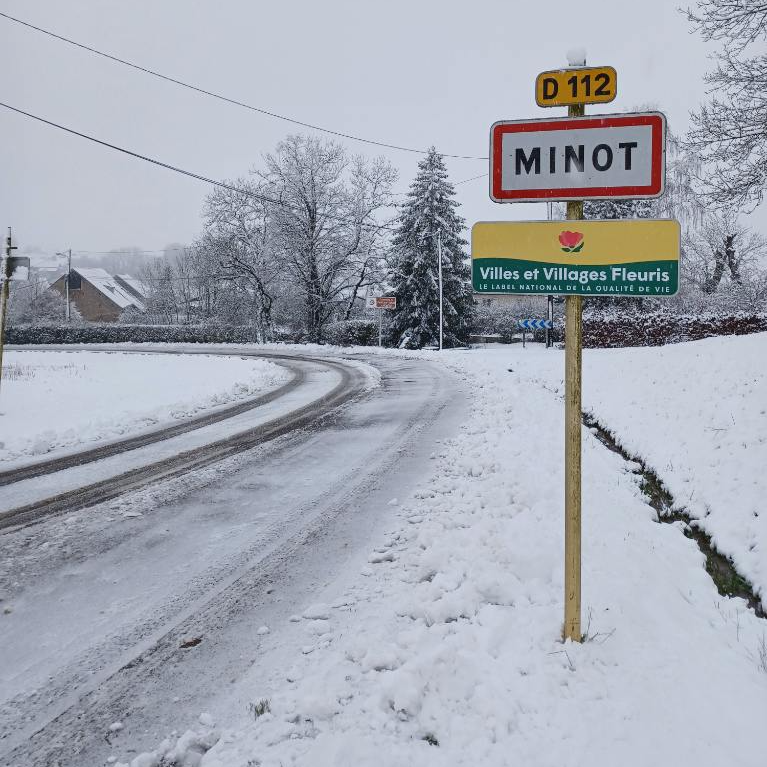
point(613, 331)
point(351, 332)
point(600, 330)
point(112, 333)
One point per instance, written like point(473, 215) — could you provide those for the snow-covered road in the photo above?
point(79, 479)
point(59, 399)
point(135, 611)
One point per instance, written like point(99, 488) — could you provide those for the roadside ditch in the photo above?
point(729, 582)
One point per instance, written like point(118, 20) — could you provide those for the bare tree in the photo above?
point(162, 302)
point(681, 199)
point(724, 246)
point(206, 285)
point(370, 186)
point(729, 131)
point(33, 301)
point(238, 239)
point(326, 235)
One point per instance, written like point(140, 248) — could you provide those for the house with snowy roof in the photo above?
point(100, 297)
point(132, 285)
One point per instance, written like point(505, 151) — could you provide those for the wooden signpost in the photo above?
point(573, 159)
point(573, 378)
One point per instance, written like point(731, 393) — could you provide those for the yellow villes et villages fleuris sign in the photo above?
point(589, 258)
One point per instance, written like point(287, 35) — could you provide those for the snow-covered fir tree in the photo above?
point(430, 208)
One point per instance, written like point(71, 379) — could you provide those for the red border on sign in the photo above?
point(655, 120)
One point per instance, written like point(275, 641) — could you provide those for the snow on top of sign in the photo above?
point(576, 57)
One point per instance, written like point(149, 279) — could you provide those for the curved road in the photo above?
point(144, 609)
point(80, 457)
point(26, 502)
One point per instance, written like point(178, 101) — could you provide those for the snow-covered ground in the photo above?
point(696, 413)
point(88, 592)
point(443, 646)
point(52, 401)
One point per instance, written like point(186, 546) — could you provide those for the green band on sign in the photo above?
point(517, 276)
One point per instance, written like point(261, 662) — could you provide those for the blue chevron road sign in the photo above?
point(535, 324)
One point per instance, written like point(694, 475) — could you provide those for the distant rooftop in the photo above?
point(109, 286)
point(133, 285)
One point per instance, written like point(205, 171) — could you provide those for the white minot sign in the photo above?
point(559, 159)
point(578, 158)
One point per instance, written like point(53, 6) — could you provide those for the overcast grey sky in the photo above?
point(410, 72)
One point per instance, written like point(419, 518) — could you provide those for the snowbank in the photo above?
point(56, 400)
point(446, 650)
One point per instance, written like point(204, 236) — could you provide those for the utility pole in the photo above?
point(9, 248)
point(69, 277)
point(68, 309)
point(439, 257)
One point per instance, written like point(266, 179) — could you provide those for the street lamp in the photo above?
point(68, 254)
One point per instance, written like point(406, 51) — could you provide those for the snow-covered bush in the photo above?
point(501, 320)
point(107, 333)
point(33, 301)
point(612, 329)
point(494, 320)
point(352, 333)
point(347, 333)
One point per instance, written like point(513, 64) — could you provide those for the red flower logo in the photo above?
point(571, 242)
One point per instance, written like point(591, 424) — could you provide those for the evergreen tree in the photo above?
point(431, 208)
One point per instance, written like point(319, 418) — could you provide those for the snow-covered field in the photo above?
point(696, 413)
point(52, 401)
point(444, 648)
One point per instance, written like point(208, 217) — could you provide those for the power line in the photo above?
point(228, 100)
point(127, 251)
point(190, 174)
point(457, 183)
point(473, 178)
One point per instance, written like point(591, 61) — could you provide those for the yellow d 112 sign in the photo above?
point(588, 85)
point(634, 258)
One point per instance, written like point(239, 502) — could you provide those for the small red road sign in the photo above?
point(382, 302)
point(578, 158)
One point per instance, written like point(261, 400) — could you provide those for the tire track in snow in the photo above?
point(350, 385)
point(41, 468)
